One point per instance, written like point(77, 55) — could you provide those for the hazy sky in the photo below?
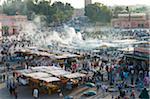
point(80, 3)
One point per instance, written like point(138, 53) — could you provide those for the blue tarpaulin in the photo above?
point(16, 59)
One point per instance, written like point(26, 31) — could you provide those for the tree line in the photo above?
point(58, 12)
point(98, 12)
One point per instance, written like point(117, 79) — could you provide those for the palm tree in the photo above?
point(5, 30)
point(127, 9)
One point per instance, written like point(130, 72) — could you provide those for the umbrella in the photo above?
point(68, 97)
point(90, 93)
point(90, 84)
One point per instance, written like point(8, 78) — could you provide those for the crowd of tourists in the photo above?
point(120, 75)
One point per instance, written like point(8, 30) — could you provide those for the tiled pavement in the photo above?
point(26, 93)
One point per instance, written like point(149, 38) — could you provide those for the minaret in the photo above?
point(87, 2)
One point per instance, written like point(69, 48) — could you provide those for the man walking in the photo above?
point(35, 93)
point(16, 93)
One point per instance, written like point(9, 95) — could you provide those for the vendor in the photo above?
point(69, 85)
point(35, 93)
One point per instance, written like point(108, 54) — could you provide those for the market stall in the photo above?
point(73, 79)
point(74, 75)
point(59, 73)
point(48, 79)
point(38, 79)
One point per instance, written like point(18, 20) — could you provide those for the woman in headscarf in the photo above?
point(144, 94)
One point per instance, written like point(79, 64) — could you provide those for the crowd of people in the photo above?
point(114, 34)
point(120, 75)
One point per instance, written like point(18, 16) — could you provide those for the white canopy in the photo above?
point(50, 79)
point(38, 75)
point(66, 55)
point(52, 68)
point(59, 72)
point(39, 68)
point(45, 68)
point(25, 72)
point(46, 73)
point(74, 75)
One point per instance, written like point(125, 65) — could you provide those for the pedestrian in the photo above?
point(122, 76)
point(132, 80)
point(16, 93)
point(104, 89)
point(132, 96)
point(13, 86)
point(102, 78)
point(3, 77)
point(146, 81)
point(122, 93)
point(8, 83)
point(60, 93)
point(137, 81)
point(10, 89)
point(69, 85)
point(35, 93)
point(97, 87)
point(144, 94)
point(107, 69)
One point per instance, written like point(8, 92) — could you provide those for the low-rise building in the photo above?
point(140, 57)
point(133, 20)
point(11, 24)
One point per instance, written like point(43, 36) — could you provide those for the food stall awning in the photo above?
point(60, 57)
point(39, 68)
point(136, 57)
point(37, 75)
point(74, 75)
point(36, 52)
point(50, 79)
point(66, 55)
point(59, 72)
point(71, 55)
point(51, 54)
point(45, 68)
point(52, 68)
point(24, 72)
